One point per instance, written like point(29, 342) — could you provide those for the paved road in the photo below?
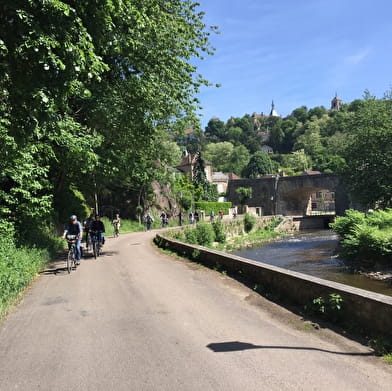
point(139, 320)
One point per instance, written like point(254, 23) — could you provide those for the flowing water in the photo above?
point(313, 253)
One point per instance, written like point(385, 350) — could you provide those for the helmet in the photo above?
point(73, 217)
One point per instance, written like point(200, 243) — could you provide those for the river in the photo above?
point(312, 252)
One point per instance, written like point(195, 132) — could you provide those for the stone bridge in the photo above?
point(289, 195)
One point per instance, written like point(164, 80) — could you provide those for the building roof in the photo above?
point(222, 177)
point(189, 159)
point(310, 172)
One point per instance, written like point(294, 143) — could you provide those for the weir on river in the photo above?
point(313, 253)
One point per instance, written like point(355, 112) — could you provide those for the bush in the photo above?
point(191, 236)
point(220, 235)
point(345, 225)
point(249, 222)
point(365, 237)
point(205, 234)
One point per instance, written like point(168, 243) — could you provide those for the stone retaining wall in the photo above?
point(371, 312)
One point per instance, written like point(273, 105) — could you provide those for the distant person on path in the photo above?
point(191, 217)
point(74, 227)
point(212, 215)
point(116, 225)
point(180, 219)
point(149, 220)
point(163, 219)
point(196, 216)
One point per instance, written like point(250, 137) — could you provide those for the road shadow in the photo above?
point(55, 269)
point(236, 346)
point(59, 266)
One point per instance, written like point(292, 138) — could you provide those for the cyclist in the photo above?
point(74, 228)
point(86, 226)
point(97, 227)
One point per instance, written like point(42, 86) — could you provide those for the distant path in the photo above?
point(138, 320)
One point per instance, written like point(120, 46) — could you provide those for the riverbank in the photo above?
point(382, 275)
point(373, 271)
point(253, 239)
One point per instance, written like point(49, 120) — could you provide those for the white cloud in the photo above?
point(358, 57)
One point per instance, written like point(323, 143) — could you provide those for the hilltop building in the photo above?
point(336, 103)
point(255, 116)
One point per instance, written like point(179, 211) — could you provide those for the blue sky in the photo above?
point(294, 52)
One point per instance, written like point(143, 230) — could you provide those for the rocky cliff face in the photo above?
point(163, 199)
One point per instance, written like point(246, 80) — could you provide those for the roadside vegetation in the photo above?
point(229, 235)
point(19, 265)
point(366, 238)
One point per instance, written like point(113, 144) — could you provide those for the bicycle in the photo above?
point(96, 244)
point(88, 241)
point(71, 257)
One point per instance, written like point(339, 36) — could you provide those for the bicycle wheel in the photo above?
point(70, 259)
point(88, 241)
point(95, 249)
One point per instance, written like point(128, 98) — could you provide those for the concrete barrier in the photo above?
point(364, 310)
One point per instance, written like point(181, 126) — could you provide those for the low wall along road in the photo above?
point(366, 311)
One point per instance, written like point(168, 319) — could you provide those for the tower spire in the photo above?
point(273, 112)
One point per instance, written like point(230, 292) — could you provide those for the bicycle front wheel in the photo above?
point(95, 249)
point(70, 259)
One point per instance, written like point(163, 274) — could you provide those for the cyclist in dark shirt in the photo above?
point(86, 227)
point(74, 228)
point(98, 227)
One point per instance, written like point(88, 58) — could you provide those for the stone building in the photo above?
point(336, 103)
point(188, 163)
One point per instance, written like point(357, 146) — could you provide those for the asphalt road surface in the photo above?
point(136, 319)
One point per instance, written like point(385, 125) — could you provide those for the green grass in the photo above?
point(18, 268)
point(127, 226)
point(388, 358)
point(252, 239)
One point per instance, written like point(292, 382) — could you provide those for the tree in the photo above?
point(239, 158)
point(368, 153)
point(204, 190)
point(86, 93)
point(47, 61)
point(300, 114)
point(244, 194)
point(259, 164)
point(276, 131)
point(219, 154)
point(234, 135)
point(215, 131)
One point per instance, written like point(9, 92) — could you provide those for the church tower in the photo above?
point(273, 112)
point(336, 103)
